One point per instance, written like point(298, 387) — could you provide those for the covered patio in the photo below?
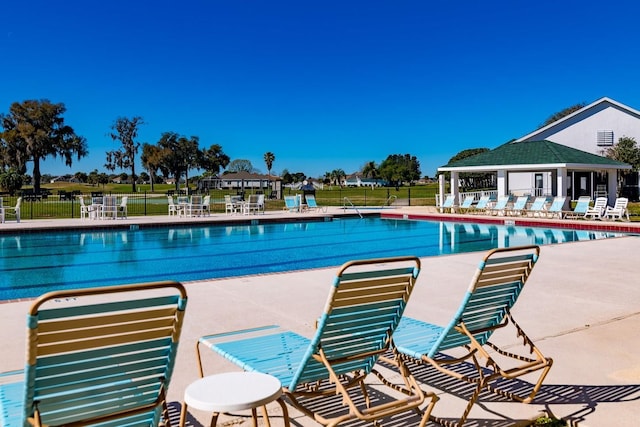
point(539, 168)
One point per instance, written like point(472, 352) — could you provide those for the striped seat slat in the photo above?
point(97, 355)
point(277, 354)
point(64, 407)
point(106, 341)
point(107, 330)
point(103, 376)
point(76, 322)
point(376, 274)
point(94, 309)
point(49, 369)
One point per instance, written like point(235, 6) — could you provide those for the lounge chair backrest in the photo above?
point(483, 202)
point(311, 201)
point(467, 202)
point(291, 202)
point(521, 203)
point(582, 205)
point(493, 291)
point(502, 202)
point(558, 204)
point(448, 201)
point(93, 358)
point(538, 204)
point(362, 311)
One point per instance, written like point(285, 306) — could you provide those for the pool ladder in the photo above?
point(344, 206)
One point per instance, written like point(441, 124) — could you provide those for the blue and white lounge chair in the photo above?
point(501, 205)
point(537, 208)
point(557, 207)
point(102, 356)
point(464, 341)
point(312, 204)
point(580, 209)
point(519, 206)
point(466, 204)
point(448, 203)
point(481, 206)
point(292, 203)
point(363, 309)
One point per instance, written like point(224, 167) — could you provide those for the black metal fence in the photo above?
point(66, 204)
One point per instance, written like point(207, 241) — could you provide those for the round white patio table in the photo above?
point(234, 391)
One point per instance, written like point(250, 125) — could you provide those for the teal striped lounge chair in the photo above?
point(580, 209)
point(292, 203)
point(464, 341)
point(448, 203)
point(324, 376)
point(537, 208)
point(466, 204)
point(100, 357)
point(501, 206)
point(557, 207)
point(481, 206)
point(519, 206)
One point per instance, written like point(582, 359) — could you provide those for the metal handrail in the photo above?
point(344, 206)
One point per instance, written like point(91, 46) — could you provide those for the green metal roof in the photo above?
point(535, 153)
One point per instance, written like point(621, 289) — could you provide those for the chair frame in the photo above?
point(619, 209)
point(597, 210)
point(363, 309)
point(98, 355)
point(580, 209)
point(12, 210)
point(485, 308)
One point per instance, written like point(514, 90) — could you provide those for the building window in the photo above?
point(604, 138)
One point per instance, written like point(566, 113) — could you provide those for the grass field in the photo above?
point(145, 202)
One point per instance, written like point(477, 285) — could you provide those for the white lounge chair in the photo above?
point(538, 206)
point(122, 209)
point(597, 210)
point(519, 206)
point(557, 207)
point(500, 207)
point(15, 210)
point(618, 210)
point(448, 203)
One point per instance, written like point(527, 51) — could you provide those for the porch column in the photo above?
point(502, 182)
point(455, 191)
point(561, 184)
point(612, 186)
point(440, 189)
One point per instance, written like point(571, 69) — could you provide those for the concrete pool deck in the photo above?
point(581, 306)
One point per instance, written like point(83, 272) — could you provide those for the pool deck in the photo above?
point(581, 306)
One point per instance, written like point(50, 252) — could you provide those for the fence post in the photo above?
point(409, 196)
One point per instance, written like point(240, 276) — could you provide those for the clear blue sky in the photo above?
point(321, 84)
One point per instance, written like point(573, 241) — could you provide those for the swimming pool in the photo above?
point(33, 263)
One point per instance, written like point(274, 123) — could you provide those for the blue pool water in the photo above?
point(34, 263)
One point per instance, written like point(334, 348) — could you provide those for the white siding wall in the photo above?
point(581, 133)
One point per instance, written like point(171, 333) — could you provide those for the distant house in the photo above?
point(243, 182)
point(564, 158)
point(355, 180)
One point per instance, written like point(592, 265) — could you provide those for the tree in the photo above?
point(80, 176)
point(240, 165)
point(179, 154)
point(626, 151)
point(151, 159)
point(370, 170)
point(35, 130)
point(11, 181)
point(337, 175)
point(213, 159)
point(269, 158)
point(125, 130)
point(470, 180)
point(397, 168)
point(560, 114)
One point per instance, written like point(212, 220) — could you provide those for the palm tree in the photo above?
point(269, 158)
point(370, 170)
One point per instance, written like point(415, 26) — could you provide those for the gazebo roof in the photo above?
point(533, 155)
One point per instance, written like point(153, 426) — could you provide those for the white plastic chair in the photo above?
point(618, 210)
